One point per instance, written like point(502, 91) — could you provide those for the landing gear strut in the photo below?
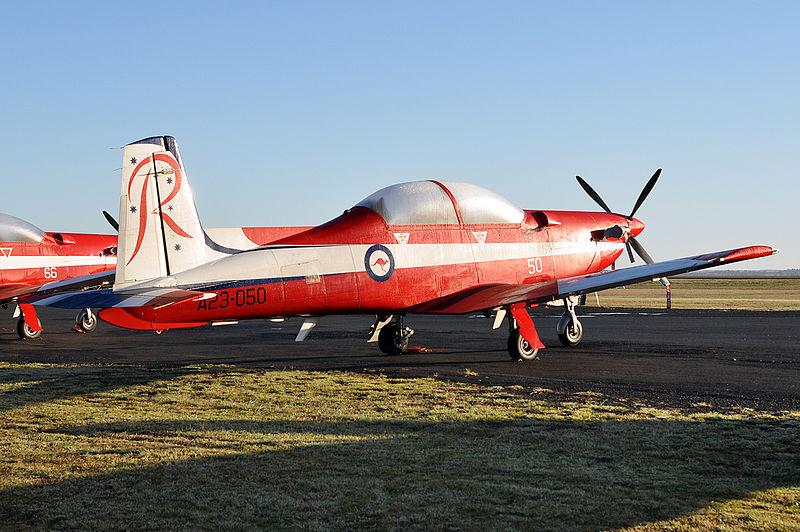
point(85, 321)
point(393, 337)
point(569, 329)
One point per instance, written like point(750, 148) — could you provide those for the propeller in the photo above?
point(631, 242)
point(592, 194)
point(645, 191)
point(110, 219)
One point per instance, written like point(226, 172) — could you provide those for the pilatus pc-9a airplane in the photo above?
point(425, 247)
point(31, 258)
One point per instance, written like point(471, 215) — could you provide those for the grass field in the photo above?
point(215, 447)
point(734, 294)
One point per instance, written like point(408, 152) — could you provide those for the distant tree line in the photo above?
point(715, 273)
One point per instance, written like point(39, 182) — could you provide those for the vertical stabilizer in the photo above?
point(159, 233)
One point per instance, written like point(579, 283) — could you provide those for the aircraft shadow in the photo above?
point(528, 474)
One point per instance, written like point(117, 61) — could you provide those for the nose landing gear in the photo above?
point(569, 329)
point(85, 321)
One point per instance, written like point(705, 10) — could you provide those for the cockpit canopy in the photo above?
point(429, 202)
point(13, 229)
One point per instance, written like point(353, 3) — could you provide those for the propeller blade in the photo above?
point(639, 249)
point(646, 257)
point(630, 253)
point(645, 191)
point(592, 194)
point(110, 219)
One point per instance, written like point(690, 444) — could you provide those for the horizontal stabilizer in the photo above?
point(106, 297)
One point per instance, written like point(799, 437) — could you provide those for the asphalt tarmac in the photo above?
point(690, 359)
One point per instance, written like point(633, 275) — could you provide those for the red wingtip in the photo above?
point(752, 252)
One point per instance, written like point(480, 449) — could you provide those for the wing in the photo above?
point(24, 293)
point(500, 295)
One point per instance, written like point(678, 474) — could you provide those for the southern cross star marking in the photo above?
point(169, 180)
point(169, 207)
point(177, 247)
point(133, 160)
point(133, 208)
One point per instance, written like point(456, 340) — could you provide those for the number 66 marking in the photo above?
point(50, 272)
point(535, 265)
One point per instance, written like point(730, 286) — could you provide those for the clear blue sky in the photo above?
point(289, 112)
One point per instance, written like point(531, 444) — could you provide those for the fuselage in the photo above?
point(358, 264)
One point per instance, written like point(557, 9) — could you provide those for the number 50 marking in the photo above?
point(535, 265)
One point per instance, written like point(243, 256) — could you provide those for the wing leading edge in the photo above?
point(500, 295)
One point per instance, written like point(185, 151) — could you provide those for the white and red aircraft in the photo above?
point(31, 258)
point(419, 247)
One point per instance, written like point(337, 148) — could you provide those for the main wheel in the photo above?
point(570, 332)
point(519, 348)
point(25, 332)
point(390, 341)
point(86, 321)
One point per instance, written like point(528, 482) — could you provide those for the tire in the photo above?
point(86, 321)
point(519, 348)
point(390, 342)
point(25, 332)
point(570, 332)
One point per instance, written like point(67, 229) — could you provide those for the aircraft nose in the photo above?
point(636, 226)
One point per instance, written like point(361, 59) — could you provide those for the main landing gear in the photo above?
point(392, 335)
point(30, 328)
point(518, 347)
point(25, 331)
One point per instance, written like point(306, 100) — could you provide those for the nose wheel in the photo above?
point(570, 332)
point(569, 328)
point(86, 321)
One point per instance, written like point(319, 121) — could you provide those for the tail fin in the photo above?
point(159, 233)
